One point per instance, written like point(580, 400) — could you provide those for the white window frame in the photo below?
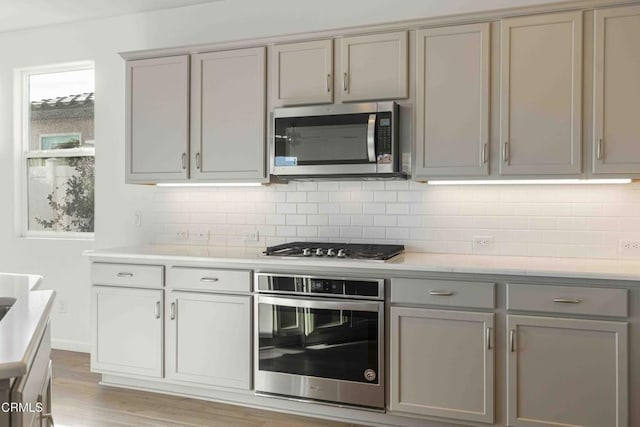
point(23, 154)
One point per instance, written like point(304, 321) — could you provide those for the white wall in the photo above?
point(60, 262)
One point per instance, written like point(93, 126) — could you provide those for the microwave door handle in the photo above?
point(371, 142)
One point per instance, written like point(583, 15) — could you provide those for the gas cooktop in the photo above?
point(335, 250)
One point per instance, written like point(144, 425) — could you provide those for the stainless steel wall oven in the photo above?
point(320, 338)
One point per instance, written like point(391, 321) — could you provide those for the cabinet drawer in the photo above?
point(209, 279)
point(142, 276)
point(567, 299)
point(453, 293)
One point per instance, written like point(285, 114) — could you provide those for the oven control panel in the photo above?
point(345, 287)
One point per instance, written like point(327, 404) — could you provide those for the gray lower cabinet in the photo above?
point(209, 339)
point(566, 372)
point(442, 363)
point(128, 330)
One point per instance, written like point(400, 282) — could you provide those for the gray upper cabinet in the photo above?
point(452, 102)
point(157, 124)
point(302, 73)
point(228, 115)
point(616, 127)
point(374, 67)
point(541, 95)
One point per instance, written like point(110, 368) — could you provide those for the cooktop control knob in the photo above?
point(342, 253)
point(319, 252)
point(331, 252)
point(306, 252)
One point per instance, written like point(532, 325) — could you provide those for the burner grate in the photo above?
point(338, 250)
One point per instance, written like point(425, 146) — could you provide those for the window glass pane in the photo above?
point(61, 113)
point(61, 194)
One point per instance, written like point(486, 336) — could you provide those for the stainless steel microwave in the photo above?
point(345, 140)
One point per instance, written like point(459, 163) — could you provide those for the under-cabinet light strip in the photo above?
point(209, 184)
point(531, 181)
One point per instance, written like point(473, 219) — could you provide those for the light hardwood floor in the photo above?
point(78, 400)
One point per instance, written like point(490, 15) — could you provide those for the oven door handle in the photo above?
point(322, 304)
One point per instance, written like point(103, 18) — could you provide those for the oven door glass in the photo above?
point(325, 140)
point(326, 339)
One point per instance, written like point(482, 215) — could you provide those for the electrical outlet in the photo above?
point(62, 306)
point(182, 234)
point(630, 248)
point(252, 236)
point(482, 243)
point(137, 218)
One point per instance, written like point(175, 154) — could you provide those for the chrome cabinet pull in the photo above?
point(512, 340)
point(345, 79)
point(209, 279)
point(485, 152)
point(44, 416)
point(567, 300)
point(328, 82)
point(124, 275)
point(172, 311)
point(489, 343)
point(184, 161)
point(198, 162)
point(441, 293)
point(157, 309)
point(600, 153)
point(505, 152)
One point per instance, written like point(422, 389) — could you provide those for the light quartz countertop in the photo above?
point(22, 327)
point(406, 262)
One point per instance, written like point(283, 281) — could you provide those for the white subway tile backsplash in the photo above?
point(374, 208)
point(572, 221)
point(385, 196)
point(296, 219)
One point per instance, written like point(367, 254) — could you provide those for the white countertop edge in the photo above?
point(411, 262)
point(17, 366)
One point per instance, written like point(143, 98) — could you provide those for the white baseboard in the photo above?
point(71, 345)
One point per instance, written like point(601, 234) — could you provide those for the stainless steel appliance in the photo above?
point(320, 338)
point(345, 140)
point(354, 251)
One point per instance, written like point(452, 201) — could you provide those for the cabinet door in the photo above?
point(452, 101)
point(157, 119)
point(616, 132)
point(442, 363)
point(374, 67)
point(302, 73)
point(209, 339)
point(566, 372)
point(541, 95)
point(228, 115)
point(127, 331)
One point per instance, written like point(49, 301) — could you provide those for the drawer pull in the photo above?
point(567, 300)
point(441, 293)
point(209, 279)
point(512, 340)
point(124, 274)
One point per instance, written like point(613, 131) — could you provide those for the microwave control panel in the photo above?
point(384, 138)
